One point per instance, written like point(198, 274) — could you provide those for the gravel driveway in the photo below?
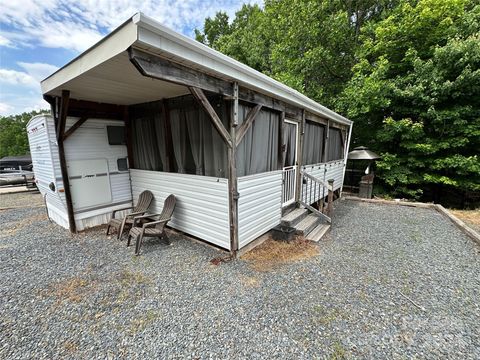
point(390, 282)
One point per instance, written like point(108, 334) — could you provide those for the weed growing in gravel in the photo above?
point(338, 352)
point(73, 289)
point(327, 316)
point(273, 253)
point(141, 322)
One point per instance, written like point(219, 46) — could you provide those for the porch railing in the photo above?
point(313, 189)
point(289, 176)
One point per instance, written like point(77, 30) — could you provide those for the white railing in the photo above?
point(289, 181)
point(313, 189)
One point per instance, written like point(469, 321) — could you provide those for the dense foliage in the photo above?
point(13, 133)
point(407, 72)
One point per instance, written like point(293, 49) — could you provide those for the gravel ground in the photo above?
point(28, 198)
point(87, 296)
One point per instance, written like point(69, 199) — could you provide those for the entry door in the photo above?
point(290, 167)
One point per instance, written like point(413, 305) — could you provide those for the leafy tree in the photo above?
point(308, 45)
point(417, 84)
point(213, 29)
point(13, 133)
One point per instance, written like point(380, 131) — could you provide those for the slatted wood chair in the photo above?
point(143, 203)
point(154, 228)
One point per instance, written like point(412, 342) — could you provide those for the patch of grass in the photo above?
point(470, 217)
point(250, 281)
point(70, 346)
point(73, 289)
point(273, 253)
point(326, 316)
point(140, 323)
point(338, 351)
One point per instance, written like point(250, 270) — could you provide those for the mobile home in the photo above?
point(149, 109)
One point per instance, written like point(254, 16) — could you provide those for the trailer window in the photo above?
point(116, 135)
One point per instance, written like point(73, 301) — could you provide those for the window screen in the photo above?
point(116, 135)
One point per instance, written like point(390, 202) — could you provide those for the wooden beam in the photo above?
point(199, 95)
point(63, 114)
point(326, 138)
point(74, 127)
point(232, 177)
point(162, 69)
point(251, 116)
point(90, 109)
point(63, 163)
point(254, 97)
point(298, 185)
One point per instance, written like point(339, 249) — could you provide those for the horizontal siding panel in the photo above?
point(259, 205)
point(202, 202)
point(335, 172)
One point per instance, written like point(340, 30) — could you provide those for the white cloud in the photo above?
point(5, 109)
point(13, 77)
point(38, 71)
point(5, 42)
point(78, 25)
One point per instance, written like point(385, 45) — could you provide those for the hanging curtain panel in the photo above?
point(289, 137)
point(198, 147)
point(258, 151)
point(335, 145)
point(313, 143)
point(148, 133)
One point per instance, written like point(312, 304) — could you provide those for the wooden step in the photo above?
point(319, 232)
point(309, 223)
point(294, 217)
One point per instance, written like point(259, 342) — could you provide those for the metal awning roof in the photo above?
point(362, 153)
point(104, 73)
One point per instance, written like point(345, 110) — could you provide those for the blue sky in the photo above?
point(39, 36)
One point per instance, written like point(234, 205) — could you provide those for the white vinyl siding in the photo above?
point(202, 202)
point(259, 205)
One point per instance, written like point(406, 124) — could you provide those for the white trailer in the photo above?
point(237, 148)
point(98, 171)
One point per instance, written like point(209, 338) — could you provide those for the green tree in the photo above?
point(13, 133)
point(308, 45)
point(415, 96)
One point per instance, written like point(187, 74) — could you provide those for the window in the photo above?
point(116, 135)
point(122, 164)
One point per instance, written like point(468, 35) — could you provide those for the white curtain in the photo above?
point(289, 138)
point(313, 143)
point(258, 151)
point(178, 125)
point(335, 145)
point(148, 125)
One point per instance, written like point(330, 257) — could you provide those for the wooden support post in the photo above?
point(298, 183)
point(232, 174)
point(326, 140)
point(251, 116)
point(63, 163)
point(199, 95)
point(330, 198)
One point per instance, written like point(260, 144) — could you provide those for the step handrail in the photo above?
point(308, 206)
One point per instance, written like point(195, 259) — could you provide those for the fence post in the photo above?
point(330, 198)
